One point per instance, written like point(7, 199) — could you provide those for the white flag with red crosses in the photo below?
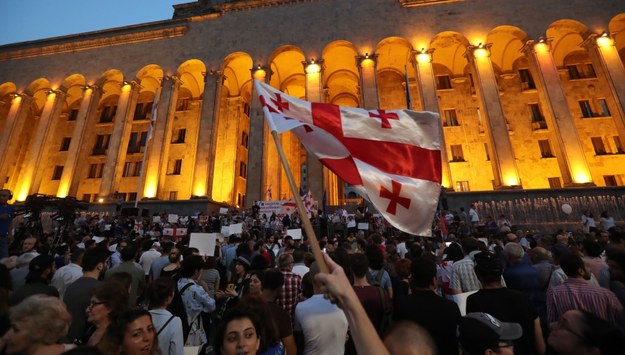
point(393, 157)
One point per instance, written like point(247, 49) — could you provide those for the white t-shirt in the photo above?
point(323, 324)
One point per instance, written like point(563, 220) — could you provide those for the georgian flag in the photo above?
point(392, 157)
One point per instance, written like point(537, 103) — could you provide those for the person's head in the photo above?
point(375, 256)
point(487, 267)
point(174, 255)
point(573, 266)
point(128, 253)
point(423, 271)
point(453, 252)
point(298, 255)
point(41, 268)
point(402, 268)
point(238, 332)
point(5, 196)
point(409, 338)
point(191, 265)
point(29, 244)
point(123, 279)
point(95, 258)
point(579, 332)
point(256, 282)
point(616, 265)
point(539, 254)
point(285, 262)
point(107, 301)
point(469, 244)
point(592, 248)
point(272, 280)
point(359, 264)
point(161, 292)
point(130, 333)
point(38, 320)
point(242, 265)
point(481, 333)
point(514, 252)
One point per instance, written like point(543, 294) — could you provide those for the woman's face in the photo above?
point(97, 311)
point(239, 269)
point(240, 338)
point(255, 285)
point(565, 338)
point(139, 337)
point(16, 338)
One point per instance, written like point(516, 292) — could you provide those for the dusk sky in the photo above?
point(27, 20)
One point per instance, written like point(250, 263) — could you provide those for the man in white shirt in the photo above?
point(299, 268)
point(322, 324)
point(66, 275)
point(149, 255)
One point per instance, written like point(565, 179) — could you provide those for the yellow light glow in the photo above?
point(259, 74)
point(604, 41)
point(541, 47)
point(480, 52)
point(199, 190)
point(511, 180)
point(126, 87)
point(100, 200)
point(150, 188)
point(313, 68)
point(17, 99)
point(367, 63)
point(424, 57)
point(63, 189)
point(581, 177)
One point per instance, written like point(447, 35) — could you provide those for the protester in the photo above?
point(41, 269)
point(130, 333)
point(107, 301)
point(238, 333)
point(195, 299)
point(168, 327)
point(408, 338)
point(481, 333)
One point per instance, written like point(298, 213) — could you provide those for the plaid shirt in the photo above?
point(576, 293)
point(290, 292)
point(463, 276)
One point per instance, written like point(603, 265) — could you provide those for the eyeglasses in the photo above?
point(93, 304)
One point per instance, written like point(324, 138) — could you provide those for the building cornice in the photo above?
point(94, 40)
point(414, 3)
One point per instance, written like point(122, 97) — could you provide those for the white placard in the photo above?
point(223, 210)
point(236, 228)
point(172, 218)
point(351, 224)
point(295, 233)
point(156, 219)
point(107, 227)
point(225, 230)
point(364, 226)
point(204, 242)
point(184, 219)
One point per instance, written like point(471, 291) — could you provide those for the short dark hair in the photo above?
point(190, 265)
point(570, 264)
point(273, 279)
point(488, 268)
point(159, 290)
point(360, 265)
point(375, 256)
point(423, 270)
point(128, 253)
point(298, 255)
point(93, 257)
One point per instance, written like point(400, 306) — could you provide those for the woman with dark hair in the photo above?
point(579, 332)
point(168, 327)
point(377, 275)
point(107, 301)
point(401, 286)
point(210, 276)
point(130, 333)
point(256, 282)
point(270, 342)
point(238, 332)
point(171, 270)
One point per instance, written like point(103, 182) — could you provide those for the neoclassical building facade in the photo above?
point(531, 95)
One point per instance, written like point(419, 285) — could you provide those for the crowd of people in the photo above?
point(119, 285)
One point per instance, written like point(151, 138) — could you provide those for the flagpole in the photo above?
point(312, 238)
point(147, 144)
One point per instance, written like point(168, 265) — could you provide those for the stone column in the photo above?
point(33, 164)
point(205, 154)
point(118, 144)
point(569, 151)
point(256, 180)
point(12, 128)
point(367, 65)
point(88, 106)
point(314, 93)
point(158, 145)
point(505, 171)
point(429, 98)
point(605, 56)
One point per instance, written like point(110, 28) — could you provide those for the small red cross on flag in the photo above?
point(384, 117)
point(282, 105)
point(394, 197)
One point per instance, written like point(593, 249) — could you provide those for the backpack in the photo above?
point(387, 314)
point(177, 308)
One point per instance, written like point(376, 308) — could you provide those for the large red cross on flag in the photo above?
point(392, 157)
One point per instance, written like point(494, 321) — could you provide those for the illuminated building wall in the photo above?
point(529, 97)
